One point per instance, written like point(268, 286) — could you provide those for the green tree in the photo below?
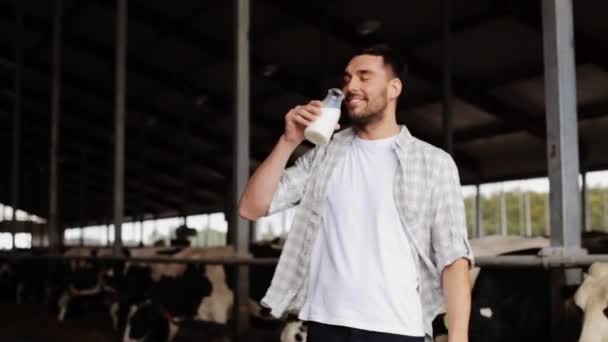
point(597, 206)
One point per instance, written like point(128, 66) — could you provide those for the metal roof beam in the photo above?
point(95, 129)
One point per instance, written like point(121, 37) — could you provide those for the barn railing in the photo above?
point(572, 261)
point(239, 261)
point(547, 262)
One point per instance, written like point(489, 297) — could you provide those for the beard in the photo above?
point(360, 120)
point(373, 111)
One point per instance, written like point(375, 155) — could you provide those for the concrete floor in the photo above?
point(38, 323)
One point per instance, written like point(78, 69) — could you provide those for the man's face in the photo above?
point(366, 82)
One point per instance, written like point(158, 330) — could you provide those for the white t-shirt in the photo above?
point(362, 269)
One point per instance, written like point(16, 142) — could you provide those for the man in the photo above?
point(379, 237)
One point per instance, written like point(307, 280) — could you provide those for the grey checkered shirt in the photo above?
point(430, 204)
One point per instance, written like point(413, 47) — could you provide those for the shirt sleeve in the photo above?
point(448, 227)
point(292, 184)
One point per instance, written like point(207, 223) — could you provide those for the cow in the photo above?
point(214, 312)
point(514, 303)
point(592, 299)
point(85, 287)
point(294, 331)
point(184, 298)
point(173, 303)
point(492, 245)
point(511, 304)
point(134, 282)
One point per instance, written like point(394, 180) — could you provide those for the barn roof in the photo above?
point(180, 91)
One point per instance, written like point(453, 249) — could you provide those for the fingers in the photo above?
point(301, 120)
point(315, 103)
point(294, 116)
point(308, 113)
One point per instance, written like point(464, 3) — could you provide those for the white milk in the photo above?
point(320, 131)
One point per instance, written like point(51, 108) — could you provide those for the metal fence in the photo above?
point(234, 260)
point(566, 261)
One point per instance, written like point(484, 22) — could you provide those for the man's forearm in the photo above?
point(457, 292)
point(258, 193)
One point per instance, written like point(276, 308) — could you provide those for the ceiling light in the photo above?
point(200, 100)
point(270, 70)
point(368, 27)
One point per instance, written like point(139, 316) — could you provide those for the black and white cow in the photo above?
point(492, 245)
point(184, 300)
point(87, 283)
point(173, 302)
point(134, 283)
point(294, 331)
point(513, 303)
point(214, 309)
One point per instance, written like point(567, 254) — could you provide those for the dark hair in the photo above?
point(390, 56)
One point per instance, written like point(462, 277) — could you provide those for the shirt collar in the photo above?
point(347, 135)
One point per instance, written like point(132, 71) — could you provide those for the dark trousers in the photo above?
point(319, 332)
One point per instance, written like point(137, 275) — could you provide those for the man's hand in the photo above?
point(298, 118)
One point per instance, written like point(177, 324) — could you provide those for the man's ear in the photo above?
point(394, 88)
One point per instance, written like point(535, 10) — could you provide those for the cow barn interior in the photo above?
point(114, 112)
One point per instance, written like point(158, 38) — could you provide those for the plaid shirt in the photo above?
point(429, 201)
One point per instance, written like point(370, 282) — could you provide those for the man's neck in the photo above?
point(381, 129)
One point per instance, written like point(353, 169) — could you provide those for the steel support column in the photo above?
point(562, 134)
point(503, 214)
point(528, 215)
point(53, 228)
point(119, 163)
point(562, 145)
point(605, 211)
point(478, 213)
point(81, 195)
point(547, 215)
point(16, 162)
point(107, 224)
point(522, 215)
point(141, 231)
point(585, 222)
point(240, 227)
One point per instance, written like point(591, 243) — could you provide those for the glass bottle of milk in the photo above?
point(320, 130)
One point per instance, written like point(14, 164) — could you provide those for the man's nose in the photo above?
point(350, 86)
